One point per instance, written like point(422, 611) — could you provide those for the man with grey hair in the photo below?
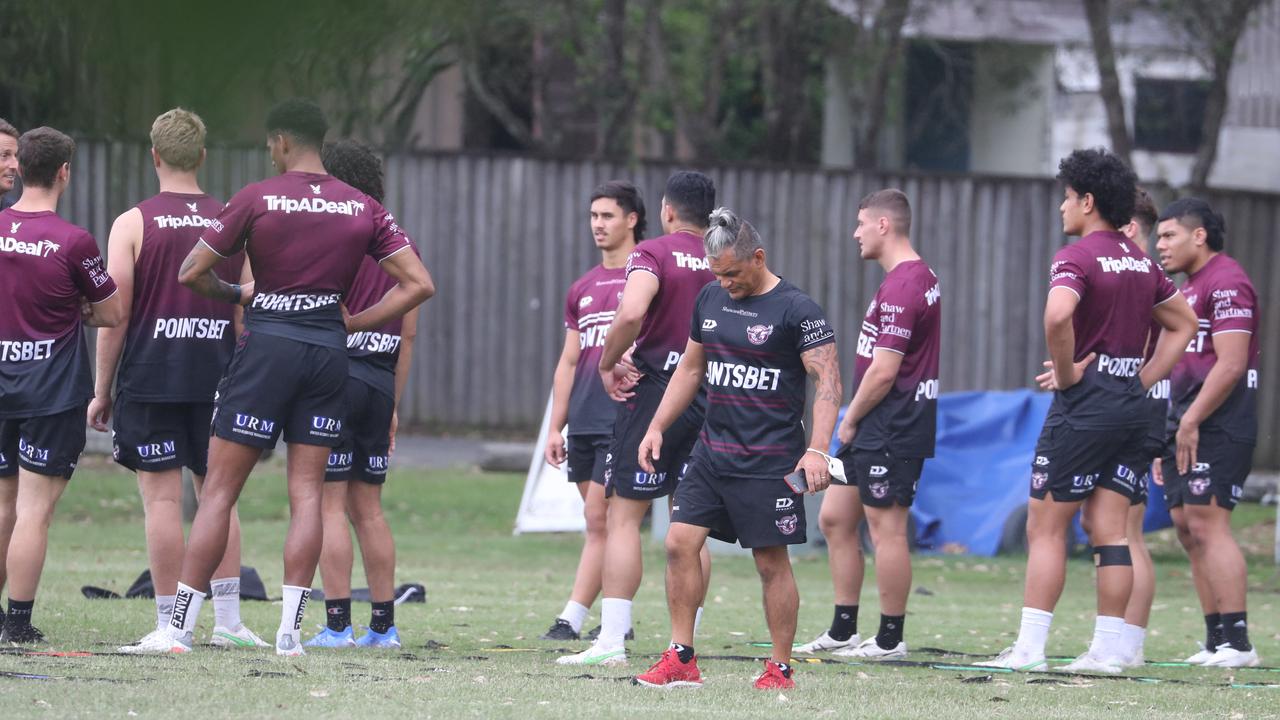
point(752, 339)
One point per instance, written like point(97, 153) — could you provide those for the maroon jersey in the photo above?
point(1224, 302)
point(589, 309)
point(904, 317)
point(680, 264)
point(47, 268)
point(755, 378)
point(1118, 286)
point(178, 342)
point(373, 353)
point(305, 235)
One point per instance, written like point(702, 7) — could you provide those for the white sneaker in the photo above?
point(870, 650)
point(159, 642)
point(1200, 657)
point(288, 645)
point(1229, 657)
point(1091, 663)
point(236, 637)
point(1015, 659)
point(1138, 660)
point(825, 642)
point(596, 655)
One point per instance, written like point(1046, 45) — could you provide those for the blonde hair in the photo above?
point(178, 137)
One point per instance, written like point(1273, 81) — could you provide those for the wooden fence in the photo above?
point(505, 236)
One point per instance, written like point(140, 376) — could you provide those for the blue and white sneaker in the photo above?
point(328, 638)
point(371, 639)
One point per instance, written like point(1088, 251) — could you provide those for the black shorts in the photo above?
point(1071, 463)
point(1220, 470)
point(587, 455)
point(623, 474)
point(1131, 475)
point(752, 512)
point(159, 436)
point(366, 436)
point(275, 385)
point(45, 444)
point(883, 480)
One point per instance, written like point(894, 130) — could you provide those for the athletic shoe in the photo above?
point(773, 677)
point(23, 635)
point(1200, 657)
point(1091, 663)
point(596, 655)
point(868, 649)
point(327, 638)
point(825, 642)
point(288, 646)
point(377, 640)
point(160, 642)
point(1014, 659)
point(595, 634)
point(669, 672)
point(1137, 661)
point(561, 630)
point(236, 637)
point(1229, 657)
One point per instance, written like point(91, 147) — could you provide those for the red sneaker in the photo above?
point(774, 677)
point(669, 672)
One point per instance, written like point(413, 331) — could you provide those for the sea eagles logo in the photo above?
point(193, 207)
point(1038, 480)
point(15, 227)
point(1198, 486)
point(584, 301)
point(315, 189)
point(787, 525)
point(758, 334)
point(879, 490)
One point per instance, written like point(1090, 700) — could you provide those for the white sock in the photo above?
point(226, 602)
point(1132, 638)
point(186, 610)
point(615, 621)
point(1034, 631)
point(574, 613)
point(1106, 637)
point(291, 611)
point(164, 608)
point(697, 622)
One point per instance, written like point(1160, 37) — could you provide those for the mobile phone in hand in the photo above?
point(797, 482)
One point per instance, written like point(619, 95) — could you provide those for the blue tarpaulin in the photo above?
point(981, 471)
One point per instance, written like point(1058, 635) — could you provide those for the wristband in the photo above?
point(238, 290)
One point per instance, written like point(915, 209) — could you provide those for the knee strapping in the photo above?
point(1112, 555)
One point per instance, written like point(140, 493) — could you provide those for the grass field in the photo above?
point(471, 650)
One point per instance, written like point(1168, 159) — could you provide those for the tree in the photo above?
point(1098, 13)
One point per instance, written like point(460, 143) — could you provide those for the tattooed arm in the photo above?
point(197, 274)
point(824, 368)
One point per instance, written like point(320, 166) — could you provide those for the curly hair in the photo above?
point(355, 165)
point(1192, 213)
point(301, 118)
point(1103, 175)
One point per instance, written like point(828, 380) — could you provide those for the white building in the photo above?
point(1011, 86)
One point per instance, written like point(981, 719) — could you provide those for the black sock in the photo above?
point(845, 623)
point(684, 651)
point(1213, 631)
point(337, 613)
point(383, 617)
point(19, 613)
point(890, 631)
point(1235, 629)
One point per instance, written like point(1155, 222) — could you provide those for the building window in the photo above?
point(1169, 114)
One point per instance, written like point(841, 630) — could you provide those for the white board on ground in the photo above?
point(550, 502)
